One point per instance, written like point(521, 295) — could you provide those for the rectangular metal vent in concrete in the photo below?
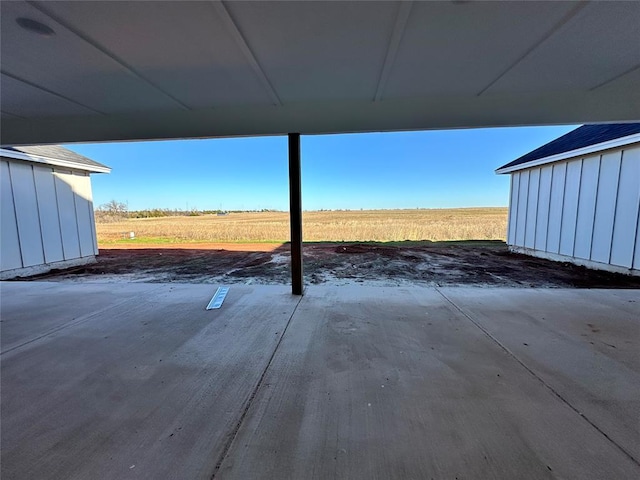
point(218, 298)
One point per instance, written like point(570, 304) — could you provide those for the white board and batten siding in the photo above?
point(47, 217)
point(585, 210)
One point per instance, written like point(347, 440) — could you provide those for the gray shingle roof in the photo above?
point(581, 137)
point(56, 152)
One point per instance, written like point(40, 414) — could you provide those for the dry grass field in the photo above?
point(363, 225)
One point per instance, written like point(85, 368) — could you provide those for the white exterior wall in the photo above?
point(584, 210)
point(46, 218)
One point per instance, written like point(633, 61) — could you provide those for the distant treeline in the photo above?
point(167, 212)
point(114, 211)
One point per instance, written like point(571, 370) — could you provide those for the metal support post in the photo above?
point(295, 214)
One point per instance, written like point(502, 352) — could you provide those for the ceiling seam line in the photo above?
point(563, 21)
point(246, 50)
point(6, 112)
point(50, 92)
point(402, 17)
point(602, 84)
point(112, 56)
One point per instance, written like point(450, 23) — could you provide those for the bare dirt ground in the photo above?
point(468, 263)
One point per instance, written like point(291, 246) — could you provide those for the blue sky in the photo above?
point(430, 169)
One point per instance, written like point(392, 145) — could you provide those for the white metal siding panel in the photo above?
point(513, 208)
point(636, 255)
point(93, 229)
point(532, 208)
point(26, 203)
point(570, 207)
point(555, 208)
point(48, 212)
point(10, 243)
point(544, 197)
point(93, 219)
point(67, 209)
point(523, 195)
point(81, 189)
point(605, 207)
point(626, 216)
point(586, 207)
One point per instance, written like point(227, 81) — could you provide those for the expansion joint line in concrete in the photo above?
point(72, 323)
point(540, 379)
point(234, 433)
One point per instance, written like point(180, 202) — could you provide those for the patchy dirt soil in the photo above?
point(467, 263)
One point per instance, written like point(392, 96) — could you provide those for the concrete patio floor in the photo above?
point(116, 381)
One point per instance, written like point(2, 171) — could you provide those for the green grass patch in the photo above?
point(417, 243)
point(180, 241)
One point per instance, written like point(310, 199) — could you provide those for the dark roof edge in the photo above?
point(94, 167)
point(581, 141)
point(581, 152)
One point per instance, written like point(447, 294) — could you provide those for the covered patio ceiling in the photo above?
point(148, 70)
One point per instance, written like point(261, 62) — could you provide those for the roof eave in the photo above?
point(580, 152)
point(54, 161)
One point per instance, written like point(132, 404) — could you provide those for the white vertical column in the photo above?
point(605, 207)
point(626, 215)
point(11, 257)
point(586, 206)
point(27, 216)
point(544, 199)
point(48, 210)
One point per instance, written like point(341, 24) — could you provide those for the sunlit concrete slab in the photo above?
point(149, 388)
point(583, 344)
point(30, 311)
point(345, 382)
point(397, 383)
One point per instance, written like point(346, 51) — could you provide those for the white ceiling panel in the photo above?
point(599, 43)
point(183, 47)
point(461, 47)
point(21, 99)
point(66, 64)
point(318, 50)
point(148, 70)
point(7, 115)
point(628, 83)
